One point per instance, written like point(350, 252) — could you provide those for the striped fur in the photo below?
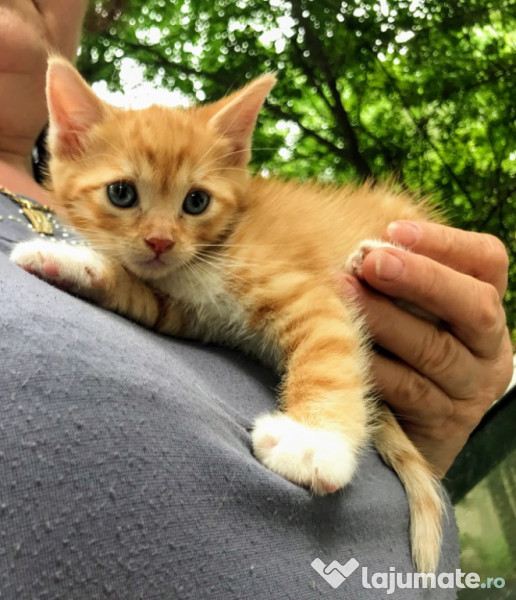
point(255, 270)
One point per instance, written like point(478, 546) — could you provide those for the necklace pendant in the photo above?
point(38, 219)
point(37, 214)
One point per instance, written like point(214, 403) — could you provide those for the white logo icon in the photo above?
point(335, 573)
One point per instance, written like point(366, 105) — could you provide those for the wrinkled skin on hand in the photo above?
point(439, 379)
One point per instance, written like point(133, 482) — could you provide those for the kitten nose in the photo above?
point(159, 245)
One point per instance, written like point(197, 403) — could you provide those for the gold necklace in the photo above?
point(35, 213)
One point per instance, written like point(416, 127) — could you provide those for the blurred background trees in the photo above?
point(420, 90)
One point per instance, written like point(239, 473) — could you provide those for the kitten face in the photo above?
point(151, 198)
point(150, 188)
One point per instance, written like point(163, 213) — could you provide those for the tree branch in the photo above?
point(422, 130)
point(317, 51)
point(281, 113)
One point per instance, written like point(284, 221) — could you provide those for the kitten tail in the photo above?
point(422, 486)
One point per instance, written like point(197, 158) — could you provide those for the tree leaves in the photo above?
point(422, 89)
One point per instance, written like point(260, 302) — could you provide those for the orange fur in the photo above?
point(256, 269)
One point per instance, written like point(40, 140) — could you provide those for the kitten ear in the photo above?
point(235, 116)
point(73, 108)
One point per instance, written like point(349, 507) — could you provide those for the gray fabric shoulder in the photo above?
point(15, 227)
point(127, 471)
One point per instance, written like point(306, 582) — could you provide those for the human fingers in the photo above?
point(480, 255)
point(471, 308)
point(438, 425)
point(432, 351)
point(413, 398)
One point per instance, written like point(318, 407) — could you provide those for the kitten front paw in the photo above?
point(317, 458)
point(356, 259)
point(77, 269)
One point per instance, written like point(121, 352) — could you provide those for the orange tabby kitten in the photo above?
point(185, 240)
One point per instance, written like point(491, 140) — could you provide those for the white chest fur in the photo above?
point(219, 316)
point(203, 289)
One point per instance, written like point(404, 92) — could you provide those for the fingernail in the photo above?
point(349, 286)
point(388, 267)
point(405, 233)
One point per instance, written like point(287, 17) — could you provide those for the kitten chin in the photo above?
point(154, 269)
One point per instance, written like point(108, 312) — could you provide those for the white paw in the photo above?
point(320, 459)
point(78, 269)
point(355, 260)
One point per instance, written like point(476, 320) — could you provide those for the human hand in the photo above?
point(439, 380)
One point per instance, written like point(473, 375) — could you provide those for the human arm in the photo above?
point(439, 380)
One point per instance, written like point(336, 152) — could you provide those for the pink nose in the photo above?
point(159, 245)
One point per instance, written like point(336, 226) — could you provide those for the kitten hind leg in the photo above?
point(354, 266)
point(356, 258)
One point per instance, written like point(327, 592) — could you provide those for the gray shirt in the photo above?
point(126, 468)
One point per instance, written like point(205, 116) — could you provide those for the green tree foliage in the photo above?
point(422, 90)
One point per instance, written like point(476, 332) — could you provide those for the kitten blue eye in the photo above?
point(122, 194)
point(196, 202)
